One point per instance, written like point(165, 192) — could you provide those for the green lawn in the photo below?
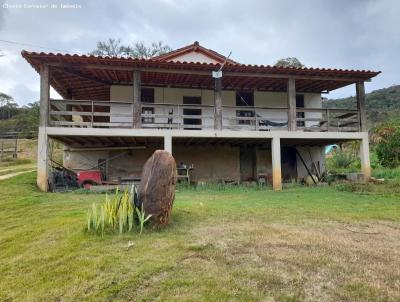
point(302, 244)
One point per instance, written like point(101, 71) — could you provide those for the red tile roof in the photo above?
point(88, 76)
point(195, 47)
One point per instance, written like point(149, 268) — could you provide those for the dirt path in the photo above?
point(17, 168)
point(6, 176)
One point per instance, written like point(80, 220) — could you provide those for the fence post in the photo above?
point(15, 155)
point(2, 150)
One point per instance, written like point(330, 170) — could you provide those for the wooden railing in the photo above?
point(323, 120)
point(254, 118)
point(74, 113)
point(106, 114)
point(173, 116)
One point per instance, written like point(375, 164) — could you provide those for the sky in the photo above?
point(351, 34)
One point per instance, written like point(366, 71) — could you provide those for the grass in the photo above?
point(303, 244)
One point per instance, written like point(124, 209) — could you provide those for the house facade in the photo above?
point(229, 121)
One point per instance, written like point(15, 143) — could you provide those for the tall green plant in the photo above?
point(115, 214)
point(142, 218)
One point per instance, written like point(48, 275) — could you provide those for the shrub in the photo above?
point(386, 188)
point(387, 139)
point(343, 161)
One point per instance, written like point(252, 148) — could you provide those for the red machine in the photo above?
point(88, 178)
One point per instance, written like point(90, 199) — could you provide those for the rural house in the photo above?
point(242, 123)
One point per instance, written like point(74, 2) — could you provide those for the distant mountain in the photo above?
point(382, 105)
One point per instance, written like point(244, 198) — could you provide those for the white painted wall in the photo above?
point(312, 100)
point(194, 57)
point(314, 154)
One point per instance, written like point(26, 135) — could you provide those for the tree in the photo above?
point(8, 107)
point(114, 48)
point(25, 119)
point(289, 62)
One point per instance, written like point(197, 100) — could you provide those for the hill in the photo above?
point(382, 105)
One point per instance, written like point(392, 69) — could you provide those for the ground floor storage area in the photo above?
point(228, 162)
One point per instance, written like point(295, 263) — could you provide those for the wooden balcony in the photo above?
point(105, 114)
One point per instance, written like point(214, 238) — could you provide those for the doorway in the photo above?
point(147, 97)
point(247, 163)
point(288, 163)
point(244, 99)
point(300, 104)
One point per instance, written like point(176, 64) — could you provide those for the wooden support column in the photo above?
point(364, 156)
point(218, 104)
point(276, 164)
point(360, 95)
point(168, 143)
point(137, 108)
point(291, 94)
point(43, 140)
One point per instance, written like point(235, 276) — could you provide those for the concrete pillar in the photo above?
point(276, 164)
point(360, 96)
point(43, 149)
point(364, 156)
point(291, 91)
point(137, 111)
point(43, 160)
point(168, 143)
point(218, 104)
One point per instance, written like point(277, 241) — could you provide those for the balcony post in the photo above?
point(44, 95)
point(276, 164)
point(291, 94)
point(137, 112)
point(43, 149)
point(218, 104)
point(360, 96)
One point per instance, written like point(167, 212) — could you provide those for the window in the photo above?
point(147, 96)
point(245, 99)
point(300, 104)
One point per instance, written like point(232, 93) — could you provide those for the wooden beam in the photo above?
point(44, 95)
point(291, 91)
point(137, 118)
point(86, 77)
point(208, 73)
point(218, 104)
point(360, 96)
